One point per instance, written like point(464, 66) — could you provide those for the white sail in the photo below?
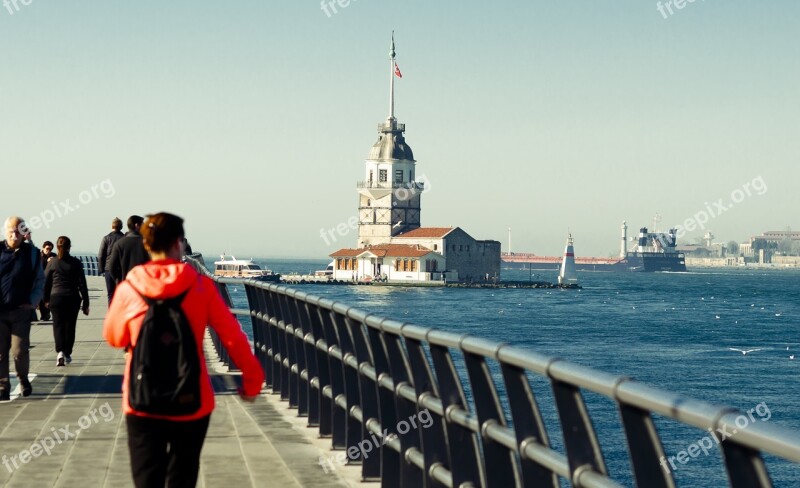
point(567, 275)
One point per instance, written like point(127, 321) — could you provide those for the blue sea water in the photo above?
point(669, 330)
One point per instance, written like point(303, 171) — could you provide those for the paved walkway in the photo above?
point(71, 432)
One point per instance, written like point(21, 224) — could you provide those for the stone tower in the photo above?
point(389, 196)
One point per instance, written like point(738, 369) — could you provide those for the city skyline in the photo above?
point(253, 121)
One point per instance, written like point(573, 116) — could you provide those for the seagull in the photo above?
point(777, 315)
point(791, 357)
point(399, 222)
point(716, 316)
point(744, 352)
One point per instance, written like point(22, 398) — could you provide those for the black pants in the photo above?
point(111, 285)
point(165, 451)
point(65, 310)
point(44, 311)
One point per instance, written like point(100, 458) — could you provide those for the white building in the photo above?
point(394, 262)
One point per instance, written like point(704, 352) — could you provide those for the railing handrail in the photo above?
point(387, 185)
point(355, 374)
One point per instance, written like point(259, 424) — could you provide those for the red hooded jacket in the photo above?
point(202, 305)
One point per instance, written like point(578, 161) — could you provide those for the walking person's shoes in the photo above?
point(69, 358)
point(60, 359)
point(5, 396)
point(27, 389)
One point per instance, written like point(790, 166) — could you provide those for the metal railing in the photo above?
point(357, 376)
point(412, 185)
point(90, 265)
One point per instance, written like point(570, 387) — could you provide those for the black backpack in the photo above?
point(165, 368)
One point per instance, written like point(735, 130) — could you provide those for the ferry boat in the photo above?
point(230, 267)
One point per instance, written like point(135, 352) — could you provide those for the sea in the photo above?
point(673, 331)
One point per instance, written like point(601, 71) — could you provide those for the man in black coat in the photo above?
point(21, 289)
point(106, 246)
point(128, 252)
point(46, 255)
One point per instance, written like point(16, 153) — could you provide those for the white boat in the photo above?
point(230, 267)
point(327, 272)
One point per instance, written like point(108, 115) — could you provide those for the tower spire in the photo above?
point(391, 80)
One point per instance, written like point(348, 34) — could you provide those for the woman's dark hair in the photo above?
point(48, 243)
point(63, 244)
point(160, 231)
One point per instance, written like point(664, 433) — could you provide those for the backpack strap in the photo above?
point(152, 301)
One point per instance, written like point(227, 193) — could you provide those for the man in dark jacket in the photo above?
point(46, 255)
point(128, 251)
point(106, 245)
point(21, 289)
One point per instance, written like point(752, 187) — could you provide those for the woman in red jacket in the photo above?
point(166, 448)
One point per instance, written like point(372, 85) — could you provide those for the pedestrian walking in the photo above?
point(46, 255)
point(165, 447)
point(65, 294)
point(128, 251)
point(106, 246)
point(21, 288)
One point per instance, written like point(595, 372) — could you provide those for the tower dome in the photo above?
point(391, 143)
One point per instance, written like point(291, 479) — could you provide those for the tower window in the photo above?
point(398, 176)
point(383, 175)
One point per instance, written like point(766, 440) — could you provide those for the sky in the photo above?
point(252, 119)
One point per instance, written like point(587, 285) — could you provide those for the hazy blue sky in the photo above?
point(252, 119)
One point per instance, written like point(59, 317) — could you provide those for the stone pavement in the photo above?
point(71, 433)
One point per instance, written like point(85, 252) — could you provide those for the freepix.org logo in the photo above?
point(47, 443)
point(13, 6)
point(713, 210)
point(422, 419)
point(46, 217)
point(706, 444)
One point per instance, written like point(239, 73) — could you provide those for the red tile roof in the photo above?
point(427, 232)
point(383, 250)
point(346, 253)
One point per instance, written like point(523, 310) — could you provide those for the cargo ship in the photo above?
point(654, 251)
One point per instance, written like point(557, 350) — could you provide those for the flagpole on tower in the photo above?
point(391, 82)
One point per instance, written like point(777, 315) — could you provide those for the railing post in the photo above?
point(528, 425)
point(410, 475)
point(433, 444)
point(501, 464)
point(462, 444)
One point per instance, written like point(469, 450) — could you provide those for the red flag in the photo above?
point(397, 71)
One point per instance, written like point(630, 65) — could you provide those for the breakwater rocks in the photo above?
point(287, 280)
point(514, 284)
